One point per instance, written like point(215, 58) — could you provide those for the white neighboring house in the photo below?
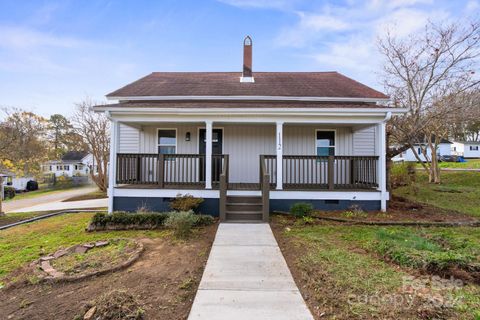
point(10, 180)
point(466, 149)
point(444, 149)
point(72, 164)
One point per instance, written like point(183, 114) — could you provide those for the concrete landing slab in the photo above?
point(246, 277)
point(249, 305)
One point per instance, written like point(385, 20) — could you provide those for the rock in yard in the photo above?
point(101, 243)
point(60, 253)
point(81, 249)
point(47, 258)
point(47, 267)
point(90, 313)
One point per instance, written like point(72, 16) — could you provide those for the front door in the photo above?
point(217, 148)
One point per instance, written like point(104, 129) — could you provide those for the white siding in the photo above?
point(129, 139)
point(364, 142)
point(244, 143)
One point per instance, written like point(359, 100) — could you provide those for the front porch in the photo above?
point(331, 165)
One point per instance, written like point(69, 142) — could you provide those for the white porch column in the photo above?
point(208, 155)
point(382, 165)
point(113, 162)
point(279, 147)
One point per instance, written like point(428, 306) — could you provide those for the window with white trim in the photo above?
point(325, 143)
point(473, 148)
point(167, 141)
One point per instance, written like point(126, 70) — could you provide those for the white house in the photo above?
point(247, 142)
point(444, 149)
point(466, 149)
point(72, 163)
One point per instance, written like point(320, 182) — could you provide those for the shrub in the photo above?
point(204, 220)
point(9, 192)
point(124, 220)
point(301, 209)
point(32, 185)
point(402, 174)
point(181, 222)
point(63, 181)
point(185, 203)
point(355, 211)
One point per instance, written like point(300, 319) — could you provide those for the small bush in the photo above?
point(181, 222)
point(130, 220)
point(204, 220)
point(355, 211)
point(9, 192)
point(32, 185)
point(402, 174)
point(185, 203)
point(301, 209)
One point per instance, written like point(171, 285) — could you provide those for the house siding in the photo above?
point(244, 143)
point(129, 139)
point(364, 142)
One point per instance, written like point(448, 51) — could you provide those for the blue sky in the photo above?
point(55, 53)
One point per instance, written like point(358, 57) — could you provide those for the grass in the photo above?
point(23, 244)
point(18, 216)
point(41, 192)
point(470, 164)
point(458, 191)
point(341, 262)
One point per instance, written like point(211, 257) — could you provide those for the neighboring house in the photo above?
point(466, 149)
point(444, 149)
point(18, 183)
point(73, 163)
point(248, 143)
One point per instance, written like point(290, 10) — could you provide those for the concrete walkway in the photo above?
point(17, 205)
point(246, 277)
point(59, 205)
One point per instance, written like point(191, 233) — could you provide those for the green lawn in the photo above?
point(345, 265)
point(458, 191)
point(41, 192)
point(23, 244)
point(470, 164)
point(19, 216)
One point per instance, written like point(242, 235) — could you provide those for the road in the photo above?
point(19, 205)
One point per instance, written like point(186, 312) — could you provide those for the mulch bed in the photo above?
point(164, 280)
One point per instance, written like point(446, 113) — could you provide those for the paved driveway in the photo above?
point(26, 204)
point(246, 277)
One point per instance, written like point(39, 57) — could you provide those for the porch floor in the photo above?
point(248, 186)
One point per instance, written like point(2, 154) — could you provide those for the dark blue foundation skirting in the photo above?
point(131, 204)
point(211, 206)
point(367, 205)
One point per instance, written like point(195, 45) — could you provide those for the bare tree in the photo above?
point(428, 73)
point(94, 128)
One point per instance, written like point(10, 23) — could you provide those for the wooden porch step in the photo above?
point(244, 206)
point(244, 216)
point(244, 199)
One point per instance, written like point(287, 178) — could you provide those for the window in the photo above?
point(325, 143)
point(473, 148)
point(167, 141)
point(66, 168)
point(419, 151)
point(59, 168)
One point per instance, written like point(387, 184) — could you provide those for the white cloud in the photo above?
point(472, 6)
point(22, 38)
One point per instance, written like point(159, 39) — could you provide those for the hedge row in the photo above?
point(126, 220)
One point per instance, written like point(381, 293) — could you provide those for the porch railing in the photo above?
point(265, 189)
point(324, 172)
point(166, 169)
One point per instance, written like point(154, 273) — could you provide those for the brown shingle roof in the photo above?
point(291, 84)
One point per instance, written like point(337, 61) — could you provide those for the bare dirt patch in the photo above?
point(163, 280)
point(403, 210)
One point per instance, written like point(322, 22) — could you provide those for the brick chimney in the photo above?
point(247, 60)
